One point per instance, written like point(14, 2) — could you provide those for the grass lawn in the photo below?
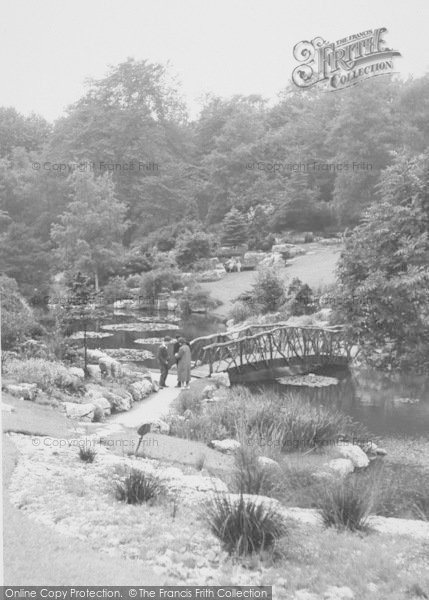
point(315, 268)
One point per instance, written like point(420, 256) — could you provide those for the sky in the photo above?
point(48, 48)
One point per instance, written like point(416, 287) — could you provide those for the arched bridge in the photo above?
point(270, 347)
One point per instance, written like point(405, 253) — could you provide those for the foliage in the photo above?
point(346, 504)
point(138, 487)
point(268, 292)
point(46, 374)
point(191, 247)
point(89, 234)
point(116, 289)
point(159, 280)
point(87, 454)
point(250, 475)
point(197, 298)
point(244, 526)
point(240, 311)
point(300, 298)
point(384, 272)
point(17, 319)
point(234, 229)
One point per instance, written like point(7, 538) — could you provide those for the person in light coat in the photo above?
point(183, 357)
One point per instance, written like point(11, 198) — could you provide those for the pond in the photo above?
point(398, 408)
point(137, 334)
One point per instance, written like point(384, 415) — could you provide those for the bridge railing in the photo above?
point(279, 342)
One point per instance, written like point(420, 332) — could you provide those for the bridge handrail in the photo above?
point(332, 329)
point(267, 327)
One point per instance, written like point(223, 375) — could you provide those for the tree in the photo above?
point(81, 307)
point(384, 271)
point(234, 229)
point(89, 235)
point(192, 247)
point(268, 293)
point(17, 319)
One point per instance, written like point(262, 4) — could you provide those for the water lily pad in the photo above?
point(139, 326)
point(129, 354)
point(79, 335)
point(149, 340)
point(309, 380)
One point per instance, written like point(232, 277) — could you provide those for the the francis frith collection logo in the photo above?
point(341, 64)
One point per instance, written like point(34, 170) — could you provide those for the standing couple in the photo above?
point(182, 357)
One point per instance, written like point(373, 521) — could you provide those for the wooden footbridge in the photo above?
point(257, 348)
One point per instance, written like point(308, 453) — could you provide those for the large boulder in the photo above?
point(94, 372)
point(160, 426)
point(209, 391)
point(103, 404)
point(226, 446)
point(341, 466)
point(28, 391)
point(268, 463)
point(141, 389)
point(221, 379)
point(354, 453)
point(272, 260)
point(110, 367)
point(77, 372)
point(82, 412)
point(120, 401)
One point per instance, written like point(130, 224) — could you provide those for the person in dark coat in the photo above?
point(164, 362)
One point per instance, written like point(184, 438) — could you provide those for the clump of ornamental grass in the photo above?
point(87, 454)
point(137, 487)
point(243, 525)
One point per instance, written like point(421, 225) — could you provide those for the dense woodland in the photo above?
point(137, 175)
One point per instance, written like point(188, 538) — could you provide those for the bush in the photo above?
point(250, 476)
point(46, 374)
point(244, 527)
point(116, 289)
point(346, 504)
point(240, 311)
point(268, 293)
point(197, 298)
point(137, 488)
point(192, 247)
point(269, 419)
point(154, 282)
point(17, 318)
point(87, 454)
point(300, 298)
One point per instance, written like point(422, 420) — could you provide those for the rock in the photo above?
point(211, 275)
point(341, 466)
point(110, 367)
point(264, 461)
point(381, 452)
point(225, 446)
point(119, 401)
point(354, 453)
point(103, 404)
point(202, 484)
point(272, 260)
point(141, 389)
point(94, 372)
point(160, 426)
point(221, 379)
point(77, 372)
point(83, 412)
point(209, 391)
point(406, 400)
point(338, 593)
point(27, 391)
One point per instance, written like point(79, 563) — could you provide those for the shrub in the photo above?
point(98, 415)
point(137, 488)
point(116, 289)
point(154, 282)
point(46, 374)
point(268, 293)
point(17, 318)
point(240, 311)
point(244, 527)
point(250, 476)
point(197, 298)
point(192, 247)
point(87, 454)
point(346, 504)
point(300, 298)
point(188, 400)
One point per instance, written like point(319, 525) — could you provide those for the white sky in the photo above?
point(49, 47)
